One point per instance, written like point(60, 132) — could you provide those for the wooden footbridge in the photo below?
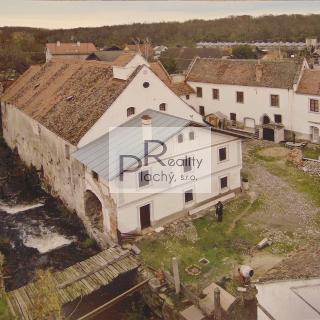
point(76, 281)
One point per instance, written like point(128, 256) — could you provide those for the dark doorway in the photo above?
point(93, 208)
point(268, 134)
point(145, 213)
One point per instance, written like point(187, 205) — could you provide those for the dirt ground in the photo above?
point(286, 215)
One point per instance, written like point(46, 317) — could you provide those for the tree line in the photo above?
point(20, 47)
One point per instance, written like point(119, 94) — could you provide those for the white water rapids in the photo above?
point(36, 234)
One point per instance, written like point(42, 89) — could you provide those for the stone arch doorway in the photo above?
point(93, 209)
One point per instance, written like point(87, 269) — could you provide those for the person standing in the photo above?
point(219, 211)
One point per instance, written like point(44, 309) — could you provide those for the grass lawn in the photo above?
point(4, 311)
point(223, 244)
point(313, 153)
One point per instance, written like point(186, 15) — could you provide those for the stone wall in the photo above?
point(61, 175)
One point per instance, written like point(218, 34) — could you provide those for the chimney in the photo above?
point(58, 43)
point(78, 43)
point(259, 71)
point(146, 122)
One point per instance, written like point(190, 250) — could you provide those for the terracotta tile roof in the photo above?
point(310, 83)
point(66, 96)
point(180, 89)
point(275, 74)
point(123, 59)
point(71, 48)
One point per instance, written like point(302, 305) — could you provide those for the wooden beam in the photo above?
point(94, 270)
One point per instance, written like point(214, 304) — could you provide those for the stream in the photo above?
point(38, 232)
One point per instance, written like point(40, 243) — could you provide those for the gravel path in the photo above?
point(282, 204)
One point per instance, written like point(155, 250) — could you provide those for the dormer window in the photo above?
point(130, 111)
point(163, 107)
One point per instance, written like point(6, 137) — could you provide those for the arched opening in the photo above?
point(93, 209)
point(265, 119)
point(249, 123)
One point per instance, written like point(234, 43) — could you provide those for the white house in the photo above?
point(260, 94)
point(53, 110)
point(78, 50)
point(155, 193)
point(306, 111)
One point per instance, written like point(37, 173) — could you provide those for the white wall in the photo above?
point(256, 102)
point(138, 60)
point(135, 95)
point(170, 201)
point(303, 119)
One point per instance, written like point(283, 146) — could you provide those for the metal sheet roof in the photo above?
point(102, 155)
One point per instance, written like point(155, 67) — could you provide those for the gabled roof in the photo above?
point(180, 89)
point(184, 56)
point(123, 59)
point(275, 74)
point(310, 83)
point(102, 155)
point(71, 48)
point(107, 56)
point(66, 96)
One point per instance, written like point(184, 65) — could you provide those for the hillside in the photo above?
point(20, 47)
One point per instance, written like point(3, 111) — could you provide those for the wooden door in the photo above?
point(145, 216)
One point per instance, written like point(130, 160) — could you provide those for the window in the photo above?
point(146, 84)
point(95, 175)
point(188, 196)
point(265, 119)
point(278, 118)
point(199, 92)
point(162, 107)
point(233, 116)
point(201, 110)
point(215, 94)
point(274, 99)
point(240, 97)
point(191, 135)
point(67, 151)
point(223, 183)
point(187, 165)
point(223, 154)
point(144, 178)
point(180, 138)
point(314, 105)
point(187, 97)
point(130, 111)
